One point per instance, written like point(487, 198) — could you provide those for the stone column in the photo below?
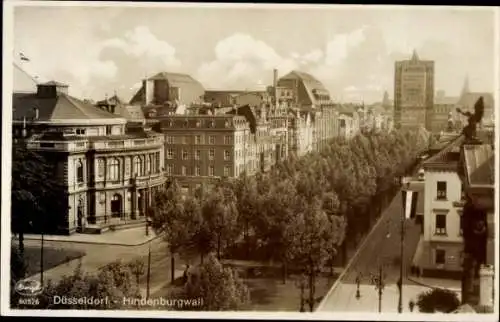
point(486, 275)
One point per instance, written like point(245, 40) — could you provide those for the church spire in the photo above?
point(414, 56)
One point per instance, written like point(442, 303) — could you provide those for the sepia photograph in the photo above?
point(268, 160)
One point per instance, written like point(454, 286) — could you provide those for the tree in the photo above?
point(220, 288)
point(36, 193)
point(169, 217)
point(438, 300)
point(221, 217)
point(112, 282)
point(310, 245)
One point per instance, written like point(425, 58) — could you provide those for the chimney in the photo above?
point(275, 87)
point(486, 274)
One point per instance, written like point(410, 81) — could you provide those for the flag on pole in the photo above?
point(410, 199)
point(23, 57)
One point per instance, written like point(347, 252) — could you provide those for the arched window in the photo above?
point(137, 166)
point(114, 169)
point(79, 171)
point(100, 167)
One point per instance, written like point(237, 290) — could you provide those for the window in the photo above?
point(108, 130)
point(183, 170)
point(148, 164)
point(197, 154)
point(114, 170)
point(440, 257)
point(227, 139)
point(211, 171)
point(441, 190)
point(185, 155)
point(184, 139)
point(227, 155)
point(170, 139)
point(170, 169)
point(197, 171)
point(100, 168)
point(211, 154)
point(157, 163)
point(137, 166)
point(170, 154)
point(80, 131)
point(226, 171)
point(440, 224)
point(79, 171)
point(211, 139)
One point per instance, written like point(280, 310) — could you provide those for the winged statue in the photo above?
point(470, 130)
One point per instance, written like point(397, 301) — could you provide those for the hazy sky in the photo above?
point(352, 51)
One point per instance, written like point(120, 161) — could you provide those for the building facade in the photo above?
point(477, 169)
point(108, 173)
point(441, 246)
point(413, 93)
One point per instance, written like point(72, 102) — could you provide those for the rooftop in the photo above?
point(479, 164)
point(62, 108)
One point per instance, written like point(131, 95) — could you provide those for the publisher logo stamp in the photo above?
point(28, 287)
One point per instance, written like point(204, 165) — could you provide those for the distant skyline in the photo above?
point(100, 50)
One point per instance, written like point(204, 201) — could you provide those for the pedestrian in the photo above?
point(185, 275)
point(411, 305)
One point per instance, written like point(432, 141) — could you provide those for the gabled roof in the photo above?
point(59, 109)
point(23, 82)
point(479, 164)
point(248, 113)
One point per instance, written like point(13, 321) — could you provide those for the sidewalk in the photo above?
point(127, 237)
point(344, 299)
point(449, 284)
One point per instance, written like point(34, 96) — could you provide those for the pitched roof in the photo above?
point(23, 82)
point(479, 164)
point(59, 109)
point(311, 84)
point(448, 157)
point(176, 79)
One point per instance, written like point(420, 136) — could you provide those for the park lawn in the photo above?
point(52, 257)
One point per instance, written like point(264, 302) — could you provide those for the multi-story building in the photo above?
point(221, 98)
point(477, 170)
point(204, 148)
point(168, 93)
point(439, 253)
point(413, 93)
point(443, 114)
point(108, 172)
point(348, 121)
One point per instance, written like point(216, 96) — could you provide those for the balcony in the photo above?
point(59, 146)
point(128, 144)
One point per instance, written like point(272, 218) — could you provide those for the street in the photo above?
point(380, 248)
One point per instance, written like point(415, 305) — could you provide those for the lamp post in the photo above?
point(404, 184)
point(148, 277)
point(375, 279)
point(147, 204)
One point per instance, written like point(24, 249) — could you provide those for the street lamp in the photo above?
point(405, 183)
point(358, 281)
point(375, 279)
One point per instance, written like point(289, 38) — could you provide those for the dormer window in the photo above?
point(80, 131)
